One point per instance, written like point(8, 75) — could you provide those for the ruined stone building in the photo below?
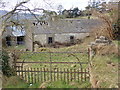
point(13, 37)
point(53, 30)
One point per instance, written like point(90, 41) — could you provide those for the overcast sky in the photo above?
point(50, 4)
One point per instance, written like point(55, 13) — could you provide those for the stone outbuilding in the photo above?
point(13, 37)
point(53, 31)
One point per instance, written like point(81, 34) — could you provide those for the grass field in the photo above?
point(16, 82)
point(105, 67)
point(53, 57)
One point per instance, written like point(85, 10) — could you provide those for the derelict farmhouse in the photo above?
point(53, 31)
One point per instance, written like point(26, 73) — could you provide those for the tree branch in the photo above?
point(9, 14)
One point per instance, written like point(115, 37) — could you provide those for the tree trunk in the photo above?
point(1, 29)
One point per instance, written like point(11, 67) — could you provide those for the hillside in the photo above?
point(19, 16)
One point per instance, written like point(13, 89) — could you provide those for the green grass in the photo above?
point(15, 82)
point(116, 42)
point(18, 47)
point(36, 85)
point(62, 84)
point(106, 73)
point(59, 84)
point(55, 57)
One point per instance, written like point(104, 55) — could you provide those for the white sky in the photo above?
point(67, 4)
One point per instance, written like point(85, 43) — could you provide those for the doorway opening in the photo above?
point(8, 41)
point(20, 40)
point(72, 39)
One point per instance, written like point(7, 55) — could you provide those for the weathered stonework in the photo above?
point(59, 30)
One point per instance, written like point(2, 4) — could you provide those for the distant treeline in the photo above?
point(75, 12)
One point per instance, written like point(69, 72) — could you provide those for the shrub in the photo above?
point(6, 69)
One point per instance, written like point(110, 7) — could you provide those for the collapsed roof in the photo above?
point(67, 26)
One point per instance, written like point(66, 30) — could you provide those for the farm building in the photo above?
point(13, 36)
point(54, 31)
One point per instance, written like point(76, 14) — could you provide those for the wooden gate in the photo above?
point(34, 74)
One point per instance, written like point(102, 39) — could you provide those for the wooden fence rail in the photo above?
point(55, 62)
point(34, 75)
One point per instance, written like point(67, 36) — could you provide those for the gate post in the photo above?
point(12, 60)
point(90, 55)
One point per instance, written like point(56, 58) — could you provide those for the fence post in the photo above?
point(78, 75)
point(50, 66)
point(91, 55)
point(35, 74)
point(64, 74)
point(57, 73)
point(28, 75)
point(18, 71)
point(47, 73)
point(31, 75)
point(54, 74)
point(85, 74)
point(38, 75)
point(41, 74)
point(81, 74)
point(74, 74)
point(50, 61)
point(13, 58)
point(22, 72)
point(25, 75)
point(61, 73)
point(44, 74)
point(68, 75)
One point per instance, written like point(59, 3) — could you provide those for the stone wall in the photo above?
point(101, 46)
point(65, 37)
point(60, 38)
point(41, 38)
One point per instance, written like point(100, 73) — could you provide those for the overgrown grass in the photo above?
point(55, 57)
point(58, 57)
point(116, 42)
point(62, 84)
point(106, 70)
point(18, 47)
point(15, 82)
point(106, 73)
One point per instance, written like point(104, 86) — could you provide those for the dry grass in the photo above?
point(107, 74)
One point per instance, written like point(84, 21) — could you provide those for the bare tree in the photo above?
point(109, 18)
point(20, 7)
point(60, 7)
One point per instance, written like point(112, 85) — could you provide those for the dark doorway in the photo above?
point(72, 39)
point(50, 40)
point(20, 40)
point(8, 41)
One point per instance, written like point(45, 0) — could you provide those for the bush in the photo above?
point(6, 69)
